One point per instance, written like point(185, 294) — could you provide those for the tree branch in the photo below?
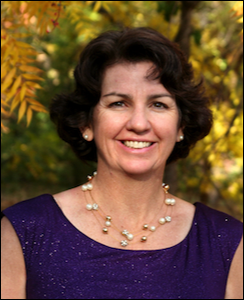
point(185, 28)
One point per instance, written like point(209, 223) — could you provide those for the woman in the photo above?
point(122, 235)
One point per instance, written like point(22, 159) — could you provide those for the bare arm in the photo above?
point(13, 273)
point(234, 289)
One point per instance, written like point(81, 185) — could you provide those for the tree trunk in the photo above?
point(183, 39)
point(184, 32)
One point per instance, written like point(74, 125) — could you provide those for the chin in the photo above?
point(138, 168)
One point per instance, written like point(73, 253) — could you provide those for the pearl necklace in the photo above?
point(128, 236)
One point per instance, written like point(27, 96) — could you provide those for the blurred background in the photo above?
point(41, 43)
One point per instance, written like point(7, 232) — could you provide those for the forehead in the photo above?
point(130, 75)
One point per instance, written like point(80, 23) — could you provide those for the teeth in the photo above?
point(136, 144)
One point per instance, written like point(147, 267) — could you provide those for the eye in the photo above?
point(117, 104)
point(159, 105)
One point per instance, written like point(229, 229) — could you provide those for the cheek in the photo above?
point(108, 124)
point(105, 130)
point(172, 125)
point(167, 129)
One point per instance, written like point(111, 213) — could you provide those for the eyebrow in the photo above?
point(154, 96)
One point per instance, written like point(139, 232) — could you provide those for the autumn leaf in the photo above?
point(38, 108)
point(22, 110)
point(8, 80)
point(29, 116)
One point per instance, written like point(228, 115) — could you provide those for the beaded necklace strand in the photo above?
point(128, 236)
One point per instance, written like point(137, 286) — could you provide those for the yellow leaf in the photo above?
point(28, 51)
point(22, 110)
point(8, 80)
point(3, 111)
point(15, 56)
point(38, 108)
point(4, 128)
point(26, 68)
point(106, 7)
point(33, 84)
point(22, 92)
point(8, 50)
point(4, 69)
point(4, 103)
point(238, 8)
point(22, 44)
point(240, 20)
point(14, 87)
point(31, 77)
point(30, 93)
point(29, 116)
point(97, 6)
point(42, 29)
point(3, 32)
point(36, 86)
point(3, 42)
point(26, 60)
point(33, 101)
point(42, 20)
point(20, 35)
point(15, 102)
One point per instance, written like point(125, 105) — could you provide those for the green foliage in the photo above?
point(168, 8)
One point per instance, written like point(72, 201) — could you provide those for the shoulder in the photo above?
point(30, 204)
point(219, 230)
point(234, 289)
point(213, 226)
point(28, 208)
point(28, 216)
point(9, 238)
point(217, 219)
point(12, 263)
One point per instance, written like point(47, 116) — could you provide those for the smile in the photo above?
point(136, 144)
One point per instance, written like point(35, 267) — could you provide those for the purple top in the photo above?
point(63, 263)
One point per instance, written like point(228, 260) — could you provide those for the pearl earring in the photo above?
point(181, 137)
point(85, 136)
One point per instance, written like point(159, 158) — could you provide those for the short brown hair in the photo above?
point(74, 110)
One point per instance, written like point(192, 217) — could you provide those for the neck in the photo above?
point(129, 199)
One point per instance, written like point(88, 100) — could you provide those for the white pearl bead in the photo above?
point(144, 239)
point(105, 230)
point(168, 218)
point(108, 223)
point(89, 206)
point(84, 187)
point(130, 236)
point(95, 206)
point(89, 186)
point(125, 232)
point(145, 227)
point(124, 243)
point(162, 221)
point(168, 201)
point(152, 228)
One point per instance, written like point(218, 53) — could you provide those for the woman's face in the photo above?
point(135, 121)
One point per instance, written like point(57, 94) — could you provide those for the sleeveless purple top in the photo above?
point(63, 263)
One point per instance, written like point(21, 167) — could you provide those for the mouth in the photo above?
point(137, 144)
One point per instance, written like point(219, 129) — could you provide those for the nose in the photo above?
point(138, 121)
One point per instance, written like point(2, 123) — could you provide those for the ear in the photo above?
point(87, 133)
point(180, 135)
